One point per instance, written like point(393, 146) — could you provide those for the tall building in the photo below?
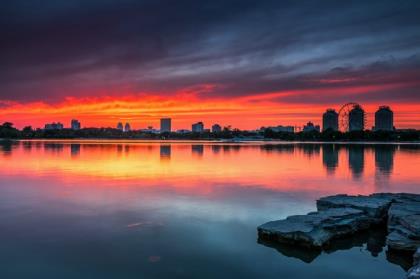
point(197, 127)
point(216, 128)
point(309, 127)
point(127, 127)
point(384, 119)
point(165, 125)
point(330, 120)
point(357, 119)
point(75, 124)
point(120, 126)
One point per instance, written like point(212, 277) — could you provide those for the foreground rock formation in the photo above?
point(343, 216)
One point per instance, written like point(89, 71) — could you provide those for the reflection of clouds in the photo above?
point(145, 224)
point(154, 259)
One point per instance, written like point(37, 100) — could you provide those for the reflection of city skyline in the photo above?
point(382, 160)
point(384, 165)
point(165, 152)
point(356, 159)
point(197, 149)
point(330, 157)
point(75, 149)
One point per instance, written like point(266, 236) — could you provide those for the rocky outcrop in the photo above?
point(374, 207)
point(343, 215)
point(316, 229)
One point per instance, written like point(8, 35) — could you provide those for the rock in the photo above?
point(343, 215)
point(316, 229)
point(404, 225)
point(375, 207)
point(414, 272)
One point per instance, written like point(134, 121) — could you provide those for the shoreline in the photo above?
point(238, 141)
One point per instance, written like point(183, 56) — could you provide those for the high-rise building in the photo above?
point(127, 127)
point(357, 119)
point(384, 119)
point(120, 126)
point(330, 120)
point(309, 127)
point(216, 128)
point(75, 124)
point(165, 125)
point(197, 127)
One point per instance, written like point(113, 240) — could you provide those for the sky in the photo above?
point(234, 62)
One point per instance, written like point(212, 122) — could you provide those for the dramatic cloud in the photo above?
point(270, 54)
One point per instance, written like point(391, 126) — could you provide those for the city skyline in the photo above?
point(271, 63)
point(344, 120)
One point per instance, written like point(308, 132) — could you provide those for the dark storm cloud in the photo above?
point(51, 49)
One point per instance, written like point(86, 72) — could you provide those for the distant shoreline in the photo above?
point(233, 141)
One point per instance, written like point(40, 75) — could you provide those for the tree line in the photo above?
point(8, 131)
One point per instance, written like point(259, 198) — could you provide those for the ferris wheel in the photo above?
point(343, 116)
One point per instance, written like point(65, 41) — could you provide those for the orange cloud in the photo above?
point(186, 107)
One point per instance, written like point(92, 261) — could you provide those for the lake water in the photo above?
point(113, 209)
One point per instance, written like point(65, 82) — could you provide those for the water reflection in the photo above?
point(75, 149)
point(384, 158)
point(311, 150)
point(197, 149)
point(372, 241)
point(330, 157)
point(356, 159)
point(165, 152)
point(358, 156)
point(182, 208)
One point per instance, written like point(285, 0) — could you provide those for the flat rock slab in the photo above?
point(375, 207)
point(316, 229)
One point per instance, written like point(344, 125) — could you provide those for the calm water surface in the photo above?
point(85, 209)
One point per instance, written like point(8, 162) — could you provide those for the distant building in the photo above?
point(127, 127)
point(357, 119)
point(330, 120)
point(384, 119)
point(165, 125)
point(309, 127)
point(54, 126)
point(280, 128)
point(216, 128)
point(183, 131)
point(150, 130)
point(120, 126)
point(75, 124)
point(197, 127)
